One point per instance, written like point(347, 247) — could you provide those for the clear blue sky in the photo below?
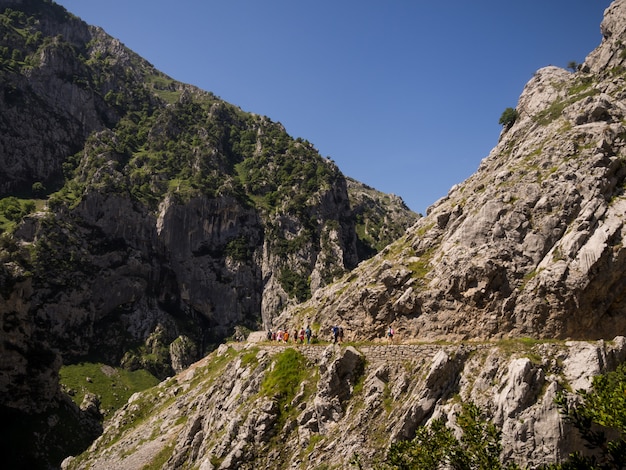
point(404, 95)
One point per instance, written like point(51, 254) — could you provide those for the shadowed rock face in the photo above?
point(531, 244)
point(180, 219)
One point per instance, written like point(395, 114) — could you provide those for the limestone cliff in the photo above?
point(182, 217)
point(167, 212)
point(229, 411)
point(531, 244)
point(160, 218)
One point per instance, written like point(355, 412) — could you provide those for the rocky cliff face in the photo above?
point(48, 107)
point(168, 219)
point(531, 244)
point(229, 411)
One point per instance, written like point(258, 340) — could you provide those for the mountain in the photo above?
point(508, 293)
point(319, 407)
point(143, 220)
point(179, 219)
point(531, 244)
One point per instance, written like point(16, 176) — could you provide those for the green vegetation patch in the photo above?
point(283, 380)
point(164, 87)
point(249, 358)
point(112, 386)
point(297, 285)
point(239, 249)
point(600, 417)
point(555, 110)
point(437, 446)
point(525, 347)
point(13, 210)
point(215, 367)
point(529, 277)
point(161, 458)
point(582, 85)
point(422, 266)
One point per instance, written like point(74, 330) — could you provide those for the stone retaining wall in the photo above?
point(374, 354)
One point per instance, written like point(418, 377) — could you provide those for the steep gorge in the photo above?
point(145, 243)
point(143, 220)
point(529, 246)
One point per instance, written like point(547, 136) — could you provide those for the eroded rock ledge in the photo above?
point(354, 399)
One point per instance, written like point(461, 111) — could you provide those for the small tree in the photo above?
point(601, 420)
point(38, 188)
point(572, 65)
point(435, 446)
point(508, 118)
point(430, 449)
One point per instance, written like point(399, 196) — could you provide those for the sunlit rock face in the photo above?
point(151, 269)
point(348, 402)
point(532, 243)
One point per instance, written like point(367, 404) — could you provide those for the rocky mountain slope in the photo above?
point(137, 250)
point(143, 220)
point(530, 246)
point(320, 407)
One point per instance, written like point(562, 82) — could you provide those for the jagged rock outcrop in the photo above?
point(218, 415)
point(531, 244)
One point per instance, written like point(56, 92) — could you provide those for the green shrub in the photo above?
point(38, 188)
point(12, 209)
point(573, 65)
point(436, 446)
point(295, 284)
point(239, 249)
point(601, 420)
point(508, 118)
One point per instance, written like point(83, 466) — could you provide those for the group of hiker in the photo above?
point(302, 335)
point(305, 334)
point(283, 336)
